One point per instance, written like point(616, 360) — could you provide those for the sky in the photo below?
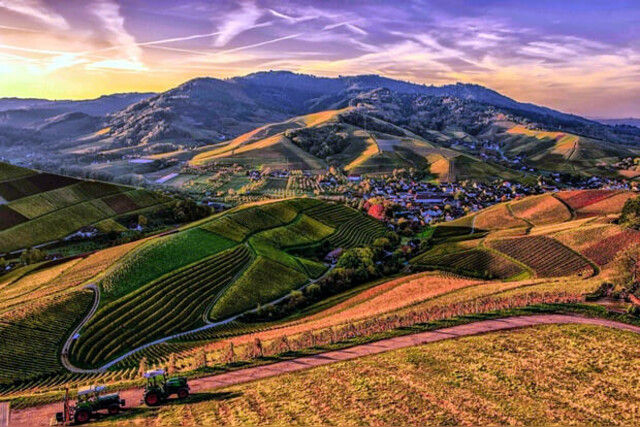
point(576, 56)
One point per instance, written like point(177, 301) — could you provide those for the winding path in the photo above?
point(41, 415)
point(64, 357)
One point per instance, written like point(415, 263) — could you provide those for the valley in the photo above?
point(224, 226)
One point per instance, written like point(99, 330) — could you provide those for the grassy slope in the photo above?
point(541, 375)
point(59, 212)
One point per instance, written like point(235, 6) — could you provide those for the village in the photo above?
point(407, 200)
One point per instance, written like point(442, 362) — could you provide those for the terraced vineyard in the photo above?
point(174, 283)
point(352, 227)
point(474, 262)
point(31, 338)
point(44, 207)
point(172, 304)
point(541, 210)
point(546, 256)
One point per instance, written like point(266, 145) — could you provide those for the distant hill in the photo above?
point(629, 121)
point(207, 113)
point(37, 207)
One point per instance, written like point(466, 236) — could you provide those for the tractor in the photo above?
point(90, 401)
point(159, 387)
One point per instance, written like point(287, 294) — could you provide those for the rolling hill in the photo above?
point(38, 207)
point(353, 139)
point(538, 236)
point(548, 248)
point(211, 115)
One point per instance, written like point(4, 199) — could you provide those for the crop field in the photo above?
point(357, 232)
point(497, 217)
point(10, 218)
point(579, 199)
point(173, 303)
point(227, 227)
point(331, 214)
point(43, 328)
point(546, 256)
point(142, 300)
point(604, 250)
point(305, 230)
point(265, 280)
point(610, 205)
point(494, 379)
point(541, 210)
point(161, 256)
point(475, 262)
point(44, 208)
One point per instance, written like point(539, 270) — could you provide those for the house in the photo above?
point(376, 211)
point(333, 256)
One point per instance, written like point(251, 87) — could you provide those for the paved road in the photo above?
point(64, 355)
point(42, 415)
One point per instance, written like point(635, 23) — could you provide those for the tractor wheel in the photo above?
point(183, 393)
point(82, 416)
point(152, 398)
point(114, 409)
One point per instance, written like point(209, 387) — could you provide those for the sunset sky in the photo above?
point(576, 56)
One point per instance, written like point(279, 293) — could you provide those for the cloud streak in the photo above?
point(36, 10)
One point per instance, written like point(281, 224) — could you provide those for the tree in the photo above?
point(142, 221)
point(627, 265)
point(630, 215)
point(31, 256)
point(3, 264)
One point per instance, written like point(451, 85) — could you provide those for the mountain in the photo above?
point(629, 121)
point(30, 113)
point(206, 114)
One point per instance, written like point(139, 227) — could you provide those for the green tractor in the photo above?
point(159, 388)
point(90, 401)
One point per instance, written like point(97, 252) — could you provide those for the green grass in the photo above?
point(159, 257)
point(264, 281)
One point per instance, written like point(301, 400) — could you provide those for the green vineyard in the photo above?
point(44, 207)
point(30, 345)
point(172, 304)
point(222, 267)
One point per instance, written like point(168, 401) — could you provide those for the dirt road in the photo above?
point(40, 416)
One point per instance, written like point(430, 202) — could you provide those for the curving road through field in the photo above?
point(41, 415)
point(64, 357)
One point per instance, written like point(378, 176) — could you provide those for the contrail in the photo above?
point(222, 52)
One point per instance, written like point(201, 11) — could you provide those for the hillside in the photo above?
point(451, 382)
point(227, 265)
point(356, 140)
point(534, 237)
point(207, 114)
point(38, 207)
point(554, 248)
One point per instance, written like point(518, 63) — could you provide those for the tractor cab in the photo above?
point(90, 400)
point(159, 387)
